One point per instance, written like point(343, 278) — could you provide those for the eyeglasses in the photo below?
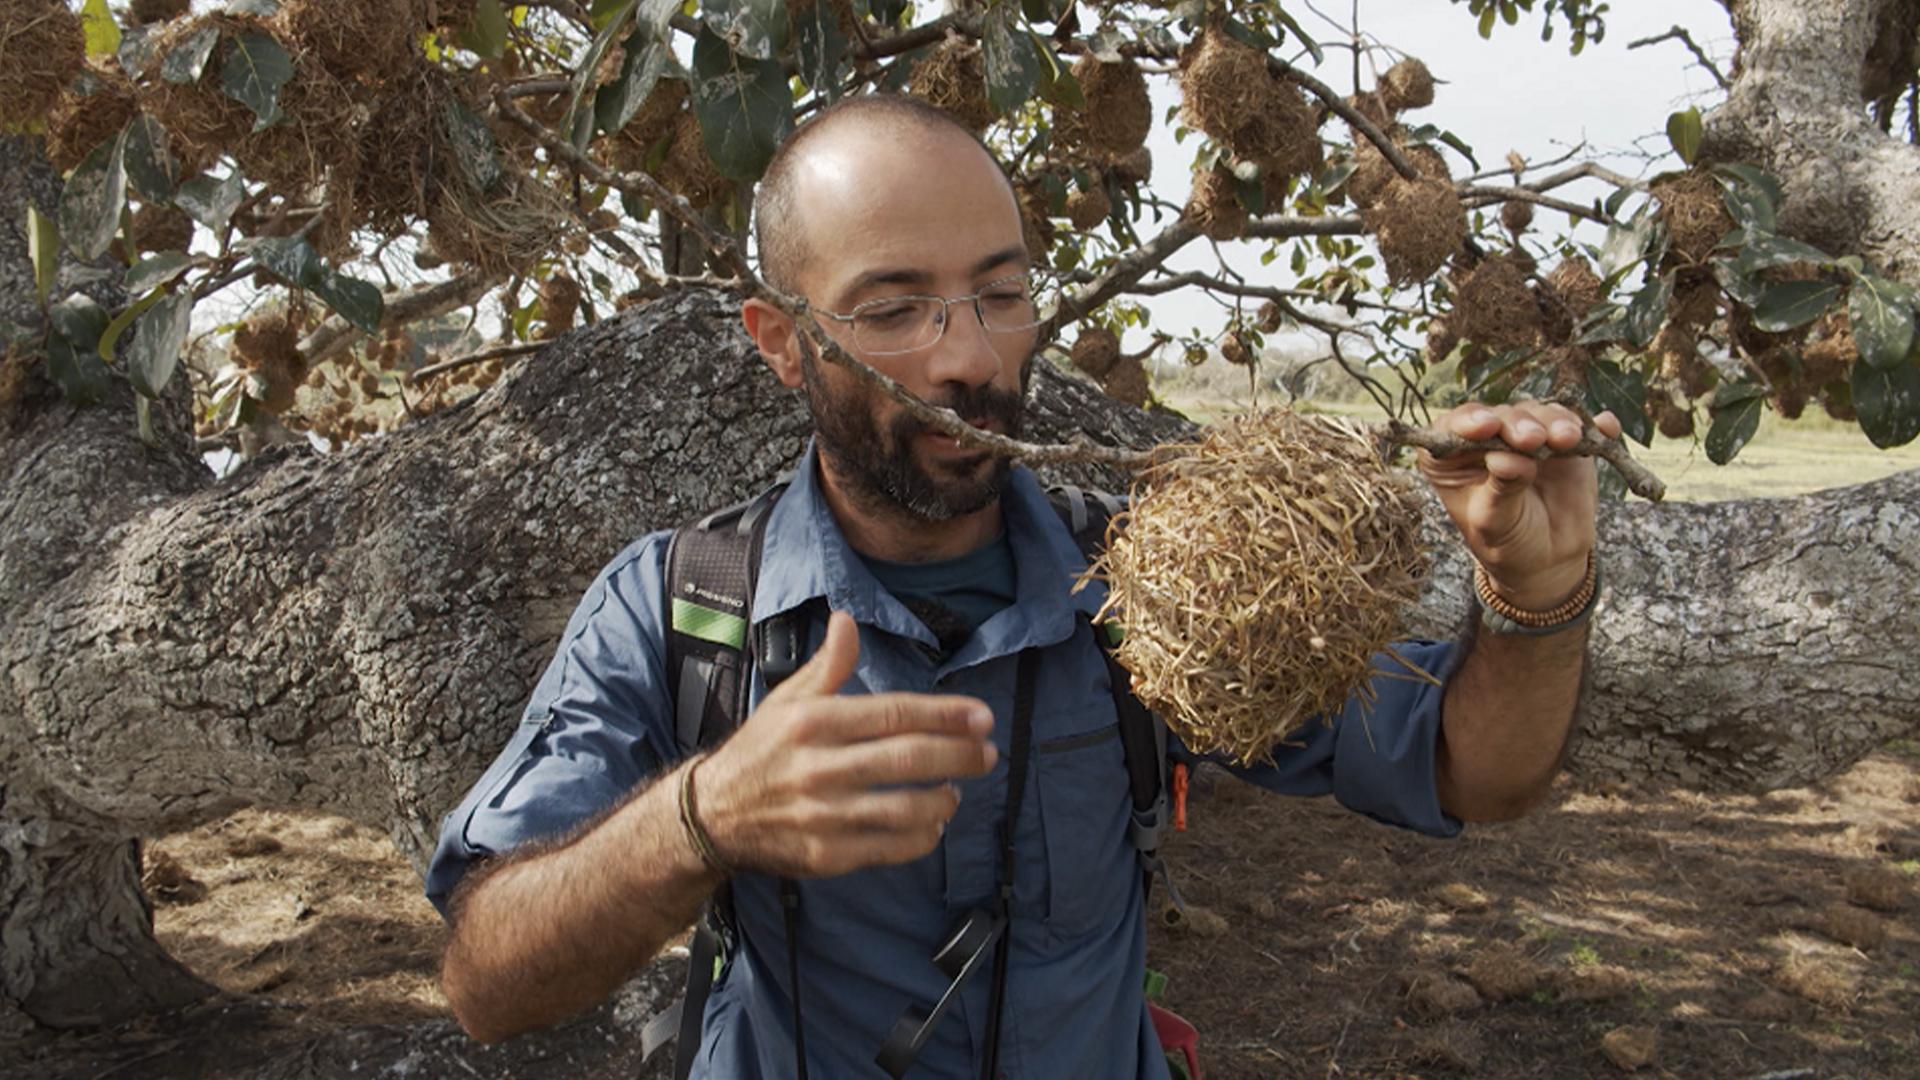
point(903, 324)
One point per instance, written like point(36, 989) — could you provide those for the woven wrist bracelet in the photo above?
point(1501, 617)
point(697, 837)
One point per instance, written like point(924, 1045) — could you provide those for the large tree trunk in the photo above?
point(1804, 71)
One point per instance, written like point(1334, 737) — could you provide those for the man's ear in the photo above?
point(773, 331)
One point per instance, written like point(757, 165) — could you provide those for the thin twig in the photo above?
point(1680, 34)
point(481, 356)
point(1640, 480)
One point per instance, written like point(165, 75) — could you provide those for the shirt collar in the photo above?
point(805, 556)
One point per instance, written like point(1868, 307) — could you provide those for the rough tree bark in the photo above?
point(1804, 70)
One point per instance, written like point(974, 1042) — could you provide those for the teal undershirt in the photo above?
point(972, 587)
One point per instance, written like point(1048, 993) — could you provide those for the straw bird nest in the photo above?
point(41, 48)
point(148, 12)
point(269, 346)
point(1407, 85)
point(1117, 115)
point(1517, 216)
point(1694, 210)
point(1215, 204)
point(1227, 92)
point(1096, 351)
point(353, 37)
point(658, 115)
point(92, 110)
point(1127, 382)
point(951, 78)
point(1579, 288)
point(688, 172)
point(1135, 168)
point(1494, 307)
point(161, 228)
point(1258, 574)
point(1419, 225)
point(1087, 209)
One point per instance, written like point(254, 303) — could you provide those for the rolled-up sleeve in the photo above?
point(595, 727)
point(1377, 759)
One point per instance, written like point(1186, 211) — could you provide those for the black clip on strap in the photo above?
point(962, 954)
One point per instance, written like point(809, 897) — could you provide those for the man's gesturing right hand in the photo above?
point(816, 784)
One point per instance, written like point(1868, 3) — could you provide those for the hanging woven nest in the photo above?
point(952, 79)
point(92, 110)
point(1419, 225)
point(41, 47)
point(1215, 204)
point(1117, 116)
point(1407, 85)
point(1258, 574)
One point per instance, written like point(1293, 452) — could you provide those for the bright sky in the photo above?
point(1513, 92)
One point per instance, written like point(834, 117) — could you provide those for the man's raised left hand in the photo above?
point(1529, 521)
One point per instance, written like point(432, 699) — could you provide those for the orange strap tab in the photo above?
point(1180, 798)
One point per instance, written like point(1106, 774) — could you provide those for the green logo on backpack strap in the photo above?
point(707, 624)
point(1114, 631)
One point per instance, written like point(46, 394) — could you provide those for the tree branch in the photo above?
point(336, 333)
point(517, 348)
point(1680, 34)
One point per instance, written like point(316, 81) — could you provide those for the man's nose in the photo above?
point(966, 353)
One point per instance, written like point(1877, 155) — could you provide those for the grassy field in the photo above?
point(1785, 458)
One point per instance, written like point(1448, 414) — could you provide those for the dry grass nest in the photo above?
point(1215, 204)
point(1135, 168)
point(269, 345)
point(42, 47)
point(161, 228)
point(404, 154)
point(1419, 225)
point(1227, 92)
point(687, 171)
point(1096, 351)
point(1407, 85)
point(1517, 216)
point(92, 110)
point(148, 12)
point(1258, 573)
point(1127, 382)
point(1373, 174)
point(354, 37)
point(1087, 209)
point(1494, 307)
point(1694, 209)
point(1117, 116)
point(951, 78)
point(1036, 227)
point(629, 148)
point(559, 302)
point(1579, 288)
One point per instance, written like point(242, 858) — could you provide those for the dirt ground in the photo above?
point(1703, 936)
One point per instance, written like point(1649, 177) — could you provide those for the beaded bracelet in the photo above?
point(1504, 618)
point(697, 835)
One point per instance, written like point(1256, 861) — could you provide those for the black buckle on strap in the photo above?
point(958, 958)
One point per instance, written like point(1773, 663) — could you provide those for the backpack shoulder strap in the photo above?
point(1143, 737)
point(712, 568)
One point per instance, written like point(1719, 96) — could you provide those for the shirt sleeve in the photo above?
point(1377, 760)
point(598, 724)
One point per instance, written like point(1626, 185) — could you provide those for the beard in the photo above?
point(877, 462)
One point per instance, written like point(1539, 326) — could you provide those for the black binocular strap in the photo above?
point(1026, 677)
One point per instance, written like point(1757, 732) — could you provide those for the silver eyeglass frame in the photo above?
point(945, 318)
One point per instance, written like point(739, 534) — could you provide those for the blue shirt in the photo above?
point(600, 722)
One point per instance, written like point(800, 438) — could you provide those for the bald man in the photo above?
point(934, 585)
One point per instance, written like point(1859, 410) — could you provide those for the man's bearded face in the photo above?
point(885, 462)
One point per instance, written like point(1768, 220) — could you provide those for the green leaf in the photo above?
point(1624, 246)
point(1765, 251)
point(1625, 393)
point(1887, 401)
point(657, 17)
point(1881, 313)
point(156, 269)
point(110, 337)
point(157, 339)
point(605, 11)
point(187, 60)
point(820, 48)
point(1736, 416)
point(1013, 68)
point(1751, 197)
point(1684, 131)
point(289, 258)
point(589, 65)
point(43, 248)
point(79, 320)
point(1784, 305)
point(79, 372)
point(756, 29)
point(359, 302)
point(211, 202)
point(255, 69)
point(150, 164)
point(1647, 310)
point(90, 204)
point(487, 36)
point(475, 154)
point(102, 33)
point(616, 103)
point(1486, 21)
point(1306, 40)
point(139, 48)
point(743, 104)
point(1460, 144)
